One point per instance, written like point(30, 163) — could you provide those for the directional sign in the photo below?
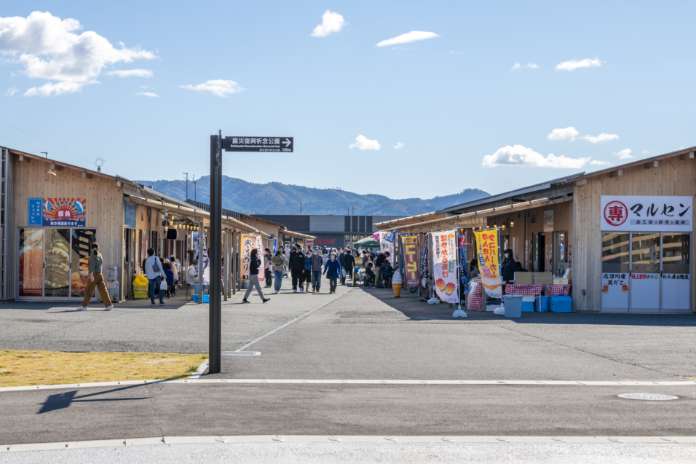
point(259, 144)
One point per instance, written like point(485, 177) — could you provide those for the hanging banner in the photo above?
point(64, 212)
point(445, 266)
point(386, 244)
point(409, 245)
point(489, 262)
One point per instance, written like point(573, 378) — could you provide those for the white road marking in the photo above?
point(362, 439)
point(287, 324)
point(365, 382)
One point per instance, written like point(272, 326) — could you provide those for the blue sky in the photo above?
point(458, 110)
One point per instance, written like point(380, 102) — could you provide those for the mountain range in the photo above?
point(278, 198)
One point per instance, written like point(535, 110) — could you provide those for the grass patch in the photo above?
point(36, 367)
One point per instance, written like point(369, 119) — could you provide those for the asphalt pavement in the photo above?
point(353, 335)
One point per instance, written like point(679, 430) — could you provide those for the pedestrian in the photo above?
point(175, 270)
point(348, 265)
point(308, 269)
point(96, 280)
point(379, 262)
point(254, 265)
point(317, 263)
point(169, 276)
point(297, 267)
point(191, 276)
point(332, 270)
point(267, 257)
point(278, 263)
point(154, 272)
point(509, 267)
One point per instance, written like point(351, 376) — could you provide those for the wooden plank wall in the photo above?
point(675, 176)
point(104, 201)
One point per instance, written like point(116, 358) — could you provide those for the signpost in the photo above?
point(217, 145)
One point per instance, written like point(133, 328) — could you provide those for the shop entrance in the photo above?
point(53, 263)
point(646, 272)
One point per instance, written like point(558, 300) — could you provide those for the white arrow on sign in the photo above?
point(287, 142)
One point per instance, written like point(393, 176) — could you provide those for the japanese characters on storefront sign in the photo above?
point(57, 212)
point(445, 266)
point(488, 249)
point(249, 242)
point(410, 250)
point(646, 213)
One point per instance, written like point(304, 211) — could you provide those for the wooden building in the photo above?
point(622, 235)
point(52, 212)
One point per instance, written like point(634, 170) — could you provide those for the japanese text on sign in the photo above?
point(647, 213)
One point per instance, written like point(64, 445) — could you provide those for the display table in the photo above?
point(524, 289)
point(558, 290)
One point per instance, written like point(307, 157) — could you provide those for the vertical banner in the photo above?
point(409, 247)
point(488, 262)
point(463, 242)
point(259, 247)
point(248, 242)
point(445, 266)
point(386, 244)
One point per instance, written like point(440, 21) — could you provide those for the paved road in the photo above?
point(328, 450)
point(362, 335)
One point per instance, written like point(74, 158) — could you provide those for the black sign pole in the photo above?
point(215, 254)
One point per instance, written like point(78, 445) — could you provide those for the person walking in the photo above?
point(169, 276)
point(267, 257)
point(96, 280)
point(254, 264)
point(348, 265)
point(154, 272)
point(278, 263)
point(332, 270)
point(175, 271)
point(297, 267)
point(317, 263)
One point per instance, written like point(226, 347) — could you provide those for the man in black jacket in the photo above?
point(297, 265)
point(348, 264)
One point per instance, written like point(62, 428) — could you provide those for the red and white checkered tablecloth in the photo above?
point(524, 289)
point(558, 290)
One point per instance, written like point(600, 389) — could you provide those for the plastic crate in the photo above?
point(527, 304)
point(206, 298)
point(512, 305)
point(561, 304)
point(542, 304)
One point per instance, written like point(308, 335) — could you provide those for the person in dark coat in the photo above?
point(509, 267)
point(297, 267)
point(332, 270)
point(254, 265)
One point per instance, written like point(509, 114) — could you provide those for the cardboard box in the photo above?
point(544, 278)
point(524, 278)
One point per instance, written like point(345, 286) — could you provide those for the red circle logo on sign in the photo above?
point(615, 213)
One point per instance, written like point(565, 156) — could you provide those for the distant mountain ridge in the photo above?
point(278, 198)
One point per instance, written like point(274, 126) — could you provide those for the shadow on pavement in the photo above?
point(74, 306)
point(415, 308)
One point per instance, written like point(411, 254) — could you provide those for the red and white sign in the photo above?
point(646, 213)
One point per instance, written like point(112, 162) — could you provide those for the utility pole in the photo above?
point(215, 255)
point(187, 178)
point(195, 190)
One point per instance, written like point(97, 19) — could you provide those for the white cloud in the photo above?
point(521, 66)
point(599, 163)
point(217, 87)
point(147, 93)
point(55, 50)
point(362, 143)
point(624, 154)
point(585, 63)
point(125, 73)
point(408, 37)
point(11, 92)
point(331, 22)
point(563, 133)
point(601, 137)
point(519, 155)
point(399, 145)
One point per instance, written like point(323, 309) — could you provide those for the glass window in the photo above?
point(57, 274)
point(645, 253)
point(82, 240)
point(615, 252)
point(675, 253)
point(31, 258)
